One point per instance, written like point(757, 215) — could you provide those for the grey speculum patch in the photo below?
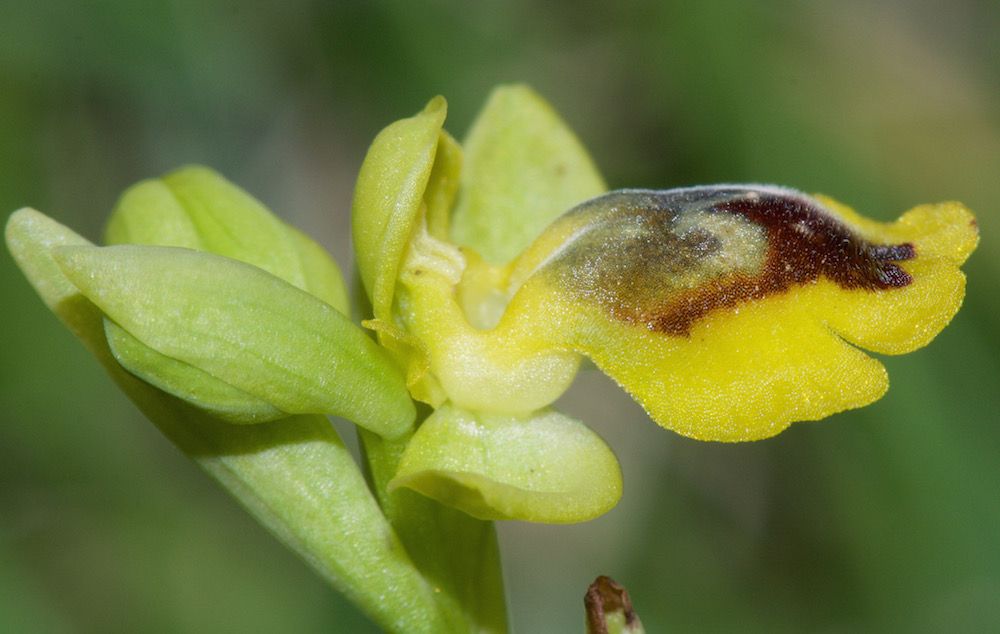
point(666, 258)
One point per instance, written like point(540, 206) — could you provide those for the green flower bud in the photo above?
point(240, 326)
point(546, 467)
point(195, 207)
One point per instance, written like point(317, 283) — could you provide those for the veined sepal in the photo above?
point(186, 381)
point(196, 208)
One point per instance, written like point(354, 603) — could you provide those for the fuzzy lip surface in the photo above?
point(665, 259)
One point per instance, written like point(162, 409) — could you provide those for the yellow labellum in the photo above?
point(728, 312)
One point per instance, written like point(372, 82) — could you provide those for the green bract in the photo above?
point(196, 208)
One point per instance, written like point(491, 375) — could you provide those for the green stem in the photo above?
point(456, 553)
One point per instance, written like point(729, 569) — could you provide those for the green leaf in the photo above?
point(299, 480)
point(523, 168)
point(295, 476)
point(246, 328)
point(195, 207)
point(542, 468)
point(388, 199)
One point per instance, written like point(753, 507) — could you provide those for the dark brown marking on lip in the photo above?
point(630, 272)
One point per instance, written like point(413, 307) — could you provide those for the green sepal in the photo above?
point(546, 467)
point(388, 198)
point(294, 476)
point(523, 168)
point(195, 207)
point(246, 328)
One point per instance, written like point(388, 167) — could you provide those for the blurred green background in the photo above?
point(885, 519)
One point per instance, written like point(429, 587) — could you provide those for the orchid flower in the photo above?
point(492, 269)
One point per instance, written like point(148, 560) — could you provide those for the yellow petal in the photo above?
point(742, 374)
point(724, 310)
point(907, 318)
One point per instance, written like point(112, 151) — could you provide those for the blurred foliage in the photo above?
point(885, 518)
